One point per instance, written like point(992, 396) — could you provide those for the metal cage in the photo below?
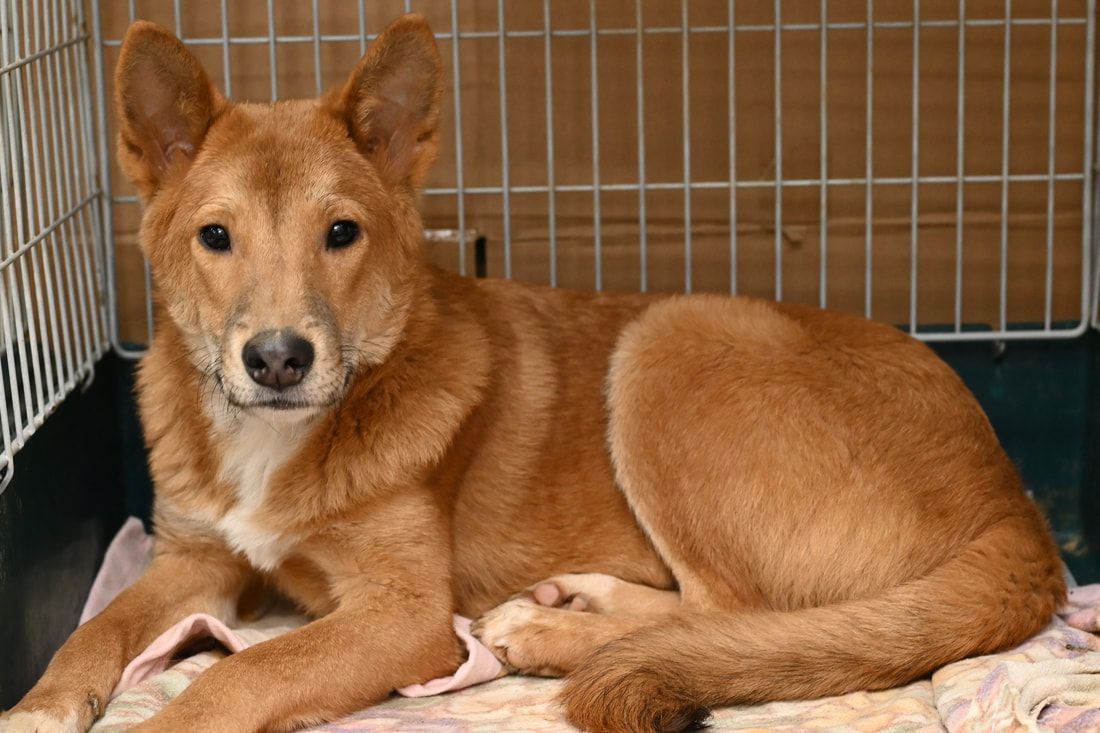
point(929, 164)
point(53, 317)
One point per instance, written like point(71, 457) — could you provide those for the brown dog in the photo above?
point(750, 501)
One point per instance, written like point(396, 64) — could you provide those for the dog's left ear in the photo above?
point(391, 102)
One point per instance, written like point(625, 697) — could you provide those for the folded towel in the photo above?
point(1050, 682)
point(1039, 686)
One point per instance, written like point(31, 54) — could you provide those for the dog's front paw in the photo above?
point(52, 709)
point(35, 721)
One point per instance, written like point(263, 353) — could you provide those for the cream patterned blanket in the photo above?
point(1049, 683)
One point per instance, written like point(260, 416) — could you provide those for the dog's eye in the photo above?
point(215, 237)
point(342, 234)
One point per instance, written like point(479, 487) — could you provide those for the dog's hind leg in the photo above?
point(604, 594)
point(552, 627)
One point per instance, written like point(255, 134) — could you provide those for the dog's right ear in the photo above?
point(165, 105)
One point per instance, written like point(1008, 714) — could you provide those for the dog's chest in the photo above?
point(253, 452)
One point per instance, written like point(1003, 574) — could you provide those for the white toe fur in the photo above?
point(36, 722)
point(496, 628)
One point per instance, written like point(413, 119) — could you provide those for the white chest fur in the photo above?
point(253, 449)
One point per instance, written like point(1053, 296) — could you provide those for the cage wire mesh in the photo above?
point(52, 310)
point(927, 164)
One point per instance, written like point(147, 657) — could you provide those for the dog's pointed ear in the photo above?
point(391, 101)
point(165, 105)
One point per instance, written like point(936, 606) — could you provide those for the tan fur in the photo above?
point(553, 627)
point(787, 502)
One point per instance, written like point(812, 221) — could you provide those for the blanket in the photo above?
point(1051, 682)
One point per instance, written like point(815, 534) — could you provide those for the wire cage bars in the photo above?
point(927, 163)
point(52, 309)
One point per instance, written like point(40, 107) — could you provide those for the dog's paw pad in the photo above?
point(551, 594)
point(547, 594)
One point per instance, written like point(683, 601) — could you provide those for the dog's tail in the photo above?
point(999, 589)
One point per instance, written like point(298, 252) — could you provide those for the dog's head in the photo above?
point(282, 237)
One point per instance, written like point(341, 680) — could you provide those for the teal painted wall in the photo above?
point(64, 505)
point(1042, 399)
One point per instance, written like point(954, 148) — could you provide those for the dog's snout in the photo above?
point(277, 359)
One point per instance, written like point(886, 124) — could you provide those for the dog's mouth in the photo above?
point(279, 404)
point(304, 398)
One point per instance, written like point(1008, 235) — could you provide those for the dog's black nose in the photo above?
point(277, 359)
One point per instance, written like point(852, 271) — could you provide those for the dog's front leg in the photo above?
point(320, 672)
point(78, 682)
point(392, 627)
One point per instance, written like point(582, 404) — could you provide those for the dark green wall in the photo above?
point(1042, 399)
point(63, 506)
